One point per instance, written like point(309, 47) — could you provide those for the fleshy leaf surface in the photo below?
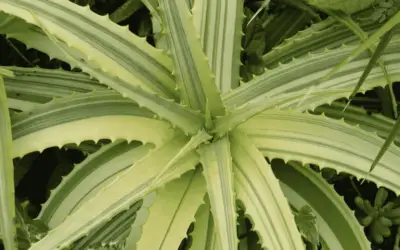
point(219, 25)
point(291, 135)
point(141, 218)
point(117, 51)
point(217, 168)
point(196, 81)
point(7, 200)
point(204, 236)
point(113, 117)
point(265, 203)
point(126, 188)
point(90, 176)
point(172, 212)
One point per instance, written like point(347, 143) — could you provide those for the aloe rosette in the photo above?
point(188, 138)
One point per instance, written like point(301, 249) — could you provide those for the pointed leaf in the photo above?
point(259, 190)
point(348, 21)
point(204, 236)
point(300, 74)
point(196, 80)
point(384, 42)
point(190, 122)
point(219, 25)
point(326, 142)
point(217, 166)
point(7, 203)
point(38, 85)
point(123, 191)
point(287, 89)
point(194, 142)
point(390, 24)
point(264, 5)
point(375, 123)
point(326, 34)
point(73, 119)
point(141, 218)
point(115, 230)
point(386, 145)
point(117, 51)
point(90, 176)
point(172, 212)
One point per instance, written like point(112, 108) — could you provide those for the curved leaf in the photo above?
point(386, 27)
point(91, 116)
point(327, 34)
point(42, 85)
point(219, 25)
point(172, 212)
point(141, 217)
point(114, 231)
point(375, 52)
point(375, 123)
point(204, 236)
point(188, 120)
point(259, 190)
point(163, 107)
point(287, 89)
point(116, 51)
point(125, 189)
point(325, 142)
point(7, 200)
point(90, 176)
point(300, 74)
point(195, 78)
point(337, 224)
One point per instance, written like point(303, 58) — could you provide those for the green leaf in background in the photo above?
point(263, 6)
point(126, 10)
point(306, 221)
point(348, 6)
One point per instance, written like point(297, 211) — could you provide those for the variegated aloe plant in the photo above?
point(189, 139)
